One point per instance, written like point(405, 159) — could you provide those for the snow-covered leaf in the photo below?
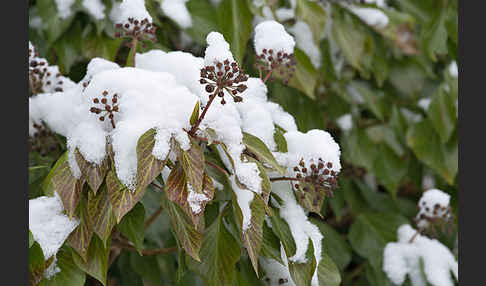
point(69, 274)
point(94, 174)
point(257, 147)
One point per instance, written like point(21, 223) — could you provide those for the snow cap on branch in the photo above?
point(271, 35)
point(218, 49)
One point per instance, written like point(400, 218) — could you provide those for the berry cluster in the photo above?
point(280, 280)
point(271, 61)
point(319, 175)
point(224, 76)
point(136, 29)
point(43, 141)
point(40, 77)
point(436, 215)
point(107, 110)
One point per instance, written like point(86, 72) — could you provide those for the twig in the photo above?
point(194, 128)
point(283, 179)
point(414, 236)
point(153, 217)
point(218, 168)
point(268, 76)
point(202, 138)
point(134, 50)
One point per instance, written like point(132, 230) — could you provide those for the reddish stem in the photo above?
point(268, 76)
point(194, 128)
point(283, 179)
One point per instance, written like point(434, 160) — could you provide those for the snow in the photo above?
point(243, 198)
point(305, 42)
point(428, 182)
point(64, 8)
point(272, 35)
point(48, 223)
point(453, 70)
point(371, 16)
point(424, 103)
point(402, 258)
point(434, 203)
point(275, 273)
point(301, 228)
point(284, 14)
point(129, 9)
point(195, 199)
point(345, 122)
point(177, 11)
point(52, 270)
point(218, 49)
point(95, 7)
point(35, 22)
point(378, 3)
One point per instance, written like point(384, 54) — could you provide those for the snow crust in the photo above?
point(453, 70)
point(345, 122)
point(434, 203)
point(48, 223)
point(403, 258)
point(195, 199)
point(177, 11)
point(95, 7)
point(217, 50)
point(276, 272)
point(272, 35)
point(371, 16)
point(424, 103)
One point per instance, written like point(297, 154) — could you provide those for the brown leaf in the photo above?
point(80, 238)
point(68, 187)
point(121, 198)
point(94, 174)
point(192, 162)
point(148, 167)
point(100, 212)
point(176, 185)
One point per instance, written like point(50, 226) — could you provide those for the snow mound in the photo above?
point(134, 9)
point(177, 11)
point(272, 35)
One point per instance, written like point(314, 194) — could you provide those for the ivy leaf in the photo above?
point(80, 238)
point(280, 139)
point(305, 77)
point(219, 253)
point(312, 14)
point(55, 26)
point(383, 133)
point(234, 21)
point(328, 272)
point(47, 185)
point(101, 215)
point(67, 187)
point(257, 147)
point(122, 199)
point(31, 239)
point(196, 210)
point(195, 114)
point(36, 263)
point(176, 185)
point(189, 238)
point(69, 274)
point(94, 174)
point(148, 167)
point(96, 264)
point(442, 114)
point(375, 99)
point(192, 162)
point(427, 146)
point(390, 169)
point(270, 244)
point(253, 236)
point(132, 226)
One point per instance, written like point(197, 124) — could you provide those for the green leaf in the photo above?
point(132, 226)
point(97, 263)
point(375, 99)
point(428, 148)
point(359, 149)
point(55, 26)
point(280, 139)
point(305, 77)
point(80, 238)
point(147, 267)
point(371, 231)
point(253, 236)
point(442, 114)
point(176, 185)
point(122, 199)
point(314, 15)
point(203, 20)
point(101, 215)
point(270, 244)
point(94, 174)
point(328, 272)
point(188, 236)
point(47, 185)
point(192, 162)
point(36, 263)
point(69, 275)
point(383, 133)
point(148, 167)
point(234, 21)
point(31, 239)
point(67, 187)
point(434, 34)
point(333, 245)
point(219, 253)
point(195, 114)
point(390, 169)
point(257, 147)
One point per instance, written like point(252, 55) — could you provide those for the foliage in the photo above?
point(375, 76)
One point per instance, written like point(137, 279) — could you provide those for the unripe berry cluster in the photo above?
point(107, 111)
point(43, 141)
point(40, 76)
point(318, 174)
point(222, 77)
point(432, 215)
point(280, 62)
point(139, 30)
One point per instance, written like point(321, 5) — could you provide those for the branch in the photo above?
point(193, 130)
point(268, 76)
point(153, 217)
point(283, 179)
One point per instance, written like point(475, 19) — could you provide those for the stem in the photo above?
point(414, 236)
point(217, 168)
point(134, 50)
point(283, 179)
point(268, 76)
point(153, 217)
point(157, 186)
point(193, 130)
point(203, 139)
